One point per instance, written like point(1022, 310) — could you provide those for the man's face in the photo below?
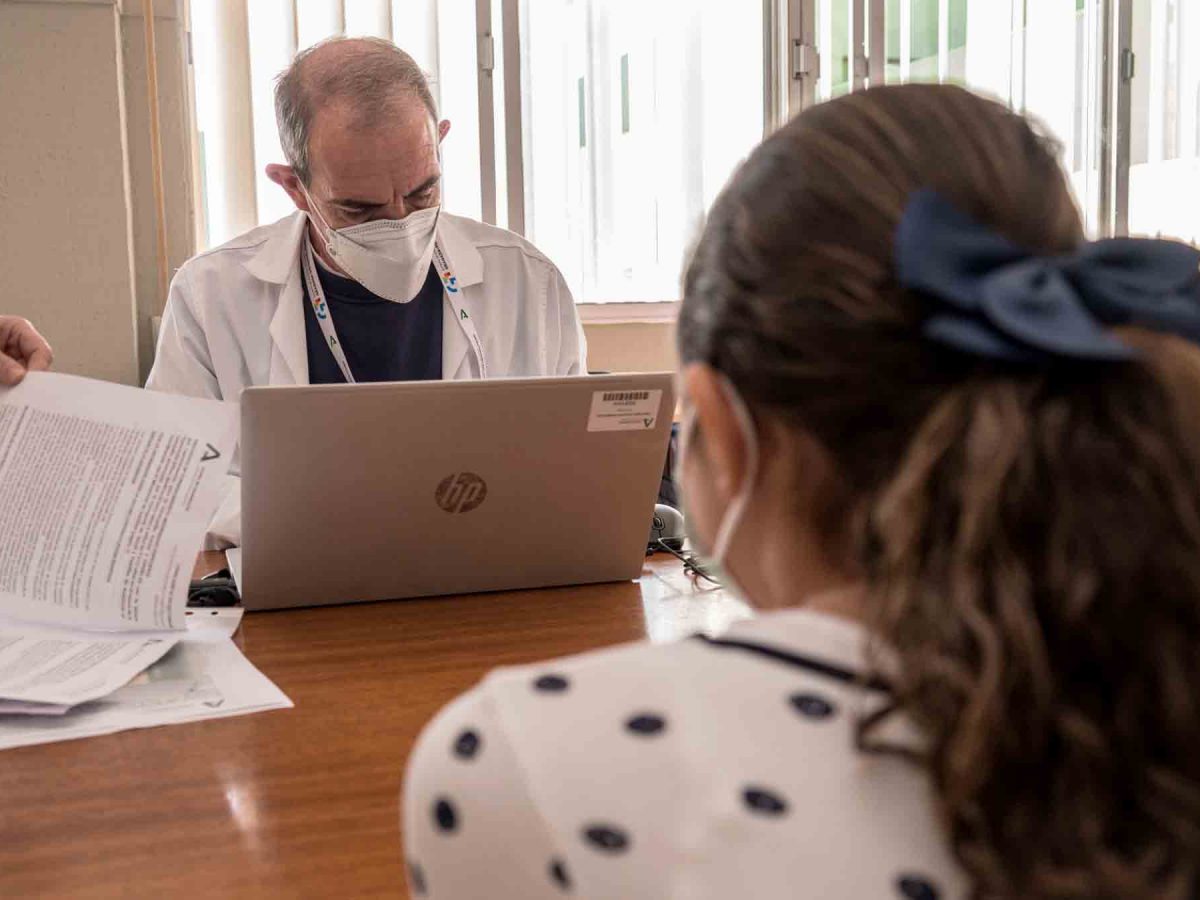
point(387, 169)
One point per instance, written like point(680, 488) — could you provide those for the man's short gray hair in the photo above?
point(370, 77)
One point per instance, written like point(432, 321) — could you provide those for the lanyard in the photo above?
point(316, 296)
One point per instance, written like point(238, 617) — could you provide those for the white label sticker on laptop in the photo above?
point(624, 410)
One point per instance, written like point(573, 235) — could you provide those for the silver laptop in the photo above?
point(376, 491)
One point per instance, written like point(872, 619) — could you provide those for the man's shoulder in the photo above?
point(241, 248)
point(489, 239)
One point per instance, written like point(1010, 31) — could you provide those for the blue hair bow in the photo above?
point(998, 301)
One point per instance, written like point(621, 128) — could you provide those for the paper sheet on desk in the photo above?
point(54, 668)
point(204, 676)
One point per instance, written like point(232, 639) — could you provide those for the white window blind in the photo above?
point(603, 129)
point(635, 115)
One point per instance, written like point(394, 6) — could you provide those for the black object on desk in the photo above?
point(217, 589)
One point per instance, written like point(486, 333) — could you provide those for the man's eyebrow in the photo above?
point(347, 201)
point(425, 185)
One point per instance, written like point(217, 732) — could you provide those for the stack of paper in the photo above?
point(105, 493)
point(204, 676)
point(48, 670)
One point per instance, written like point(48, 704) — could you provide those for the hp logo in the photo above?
point(461, 492)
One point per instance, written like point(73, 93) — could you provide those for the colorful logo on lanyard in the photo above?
point(448, 280)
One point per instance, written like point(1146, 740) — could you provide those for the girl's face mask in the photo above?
point(732, 516)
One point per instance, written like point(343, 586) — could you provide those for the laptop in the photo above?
point(382, 491)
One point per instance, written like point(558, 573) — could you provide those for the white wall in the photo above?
point(631, 346)
point(77, 246)
point(65, 242)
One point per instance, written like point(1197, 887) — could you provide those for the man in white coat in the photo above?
point(369, 280)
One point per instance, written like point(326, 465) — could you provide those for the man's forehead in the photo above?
point(353, 149)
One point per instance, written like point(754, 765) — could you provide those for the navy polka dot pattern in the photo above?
point(763, 802)
point(607, 838)
point(558, 874)
point(416, 879)
point(811, 706)
point(647, 724)
point(913, 887)
point(551, 684)
point(445, 816)
point(597, 778)
point(467, 745)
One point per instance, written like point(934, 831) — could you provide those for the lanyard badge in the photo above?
point(316, 296)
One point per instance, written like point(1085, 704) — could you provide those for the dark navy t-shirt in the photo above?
point(382, 340)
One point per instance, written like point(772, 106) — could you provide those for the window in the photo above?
point(632, 115)
point(1116, 82)
point(635, 115)
point(604, 129)
point(1164, 170)
point(1039, 58)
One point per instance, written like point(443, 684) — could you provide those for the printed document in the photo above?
point(105, 493)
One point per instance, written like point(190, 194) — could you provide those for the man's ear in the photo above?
point(286, 178)
point(443, 129)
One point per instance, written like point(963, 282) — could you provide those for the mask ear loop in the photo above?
point(737, 507)
point(325, 231)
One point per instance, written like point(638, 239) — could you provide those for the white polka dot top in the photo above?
point(704, 769)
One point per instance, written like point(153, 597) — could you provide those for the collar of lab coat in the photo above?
point(278, 262)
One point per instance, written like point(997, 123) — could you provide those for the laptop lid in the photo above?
point(375, 491)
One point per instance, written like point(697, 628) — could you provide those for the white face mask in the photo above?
point(389, 257)
point(732, 517)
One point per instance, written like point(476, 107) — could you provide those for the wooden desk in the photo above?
point(301, 802)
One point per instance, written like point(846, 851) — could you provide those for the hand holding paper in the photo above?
point(22, 349)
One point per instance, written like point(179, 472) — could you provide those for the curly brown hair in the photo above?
point(1031, 536)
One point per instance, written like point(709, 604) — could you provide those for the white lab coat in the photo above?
point(235, 318)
